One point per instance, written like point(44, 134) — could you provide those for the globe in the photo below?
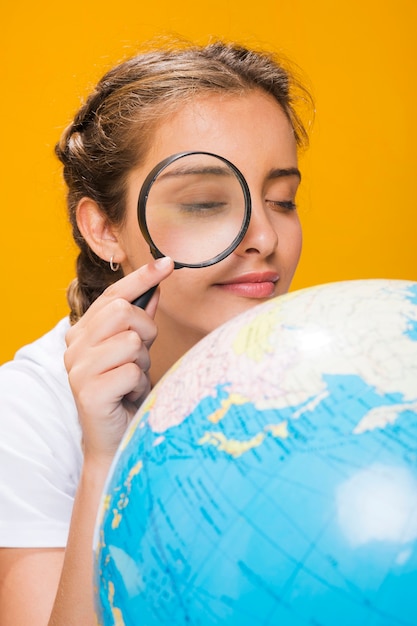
point(270, 478)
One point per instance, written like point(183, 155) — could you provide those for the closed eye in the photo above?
point(201, 207)
point(287, 205)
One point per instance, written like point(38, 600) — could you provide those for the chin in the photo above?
point(232, 310)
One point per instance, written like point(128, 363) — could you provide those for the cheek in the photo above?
point(184, 292)
point(135, 247)
point(290, 239)
point(183, 303)
point(183, 283)
point(298, 243)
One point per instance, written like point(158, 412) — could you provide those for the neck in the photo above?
point(172, 342)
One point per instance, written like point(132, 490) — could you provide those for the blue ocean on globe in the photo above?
point(270, 478)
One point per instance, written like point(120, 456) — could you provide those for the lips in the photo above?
point(252, 285)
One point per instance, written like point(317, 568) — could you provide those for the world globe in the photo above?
point(270, 478)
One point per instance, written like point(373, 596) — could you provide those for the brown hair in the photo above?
point(110, 134)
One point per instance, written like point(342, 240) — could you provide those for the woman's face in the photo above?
point(254, 134)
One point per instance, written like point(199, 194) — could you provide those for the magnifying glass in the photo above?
point(194, 207)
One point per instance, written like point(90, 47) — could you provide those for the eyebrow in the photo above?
point(284, 172)
point(192, 171)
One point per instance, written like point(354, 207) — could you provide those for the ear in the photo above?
point(97, 230)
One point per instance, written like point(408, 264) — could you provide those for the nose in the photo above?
point(261, 237)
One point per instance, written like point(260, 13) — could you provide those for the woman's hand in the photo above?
point(107, 359)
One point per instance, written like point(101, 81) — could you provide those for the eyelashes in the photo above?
point(285, 205)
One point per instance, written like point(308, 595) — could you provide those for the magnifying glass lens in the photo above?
point(197, 209)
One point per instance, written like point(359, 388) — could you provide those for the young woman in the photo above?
point(61, 424)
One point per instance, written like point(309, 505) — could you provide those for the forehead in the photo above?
point(227, 124)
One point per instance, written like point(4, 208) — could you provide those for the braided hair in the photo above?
point(111, 133)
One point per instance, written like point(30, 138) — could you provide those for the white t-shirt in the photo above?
point(40, 445)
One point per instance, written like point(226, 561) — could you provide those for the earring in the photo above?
point(114, 266)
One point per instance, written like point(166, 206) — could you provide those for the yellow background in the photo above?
point(358, 199)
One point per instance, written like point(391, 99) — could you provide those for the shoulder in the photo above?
point(34, 386)
point(39, 364)
point(44, 352)
point(40, 443)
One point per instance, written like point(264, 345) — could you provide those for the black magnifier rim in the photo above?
point(143, 198)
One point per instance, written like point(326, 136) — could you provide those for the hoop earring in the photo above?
point(114, 266)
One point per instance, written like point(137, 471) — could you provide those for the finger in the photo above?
point(110, 322)
point(125, 347)
point(106, 398)
point(105, 391)
point(138, 282)
point(137, 396)
point(117, 317)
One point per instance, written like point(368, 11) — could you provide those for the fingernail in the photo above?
point(163, 262)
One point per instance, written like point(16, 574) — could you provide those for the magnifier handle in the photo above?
point(143, 300)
